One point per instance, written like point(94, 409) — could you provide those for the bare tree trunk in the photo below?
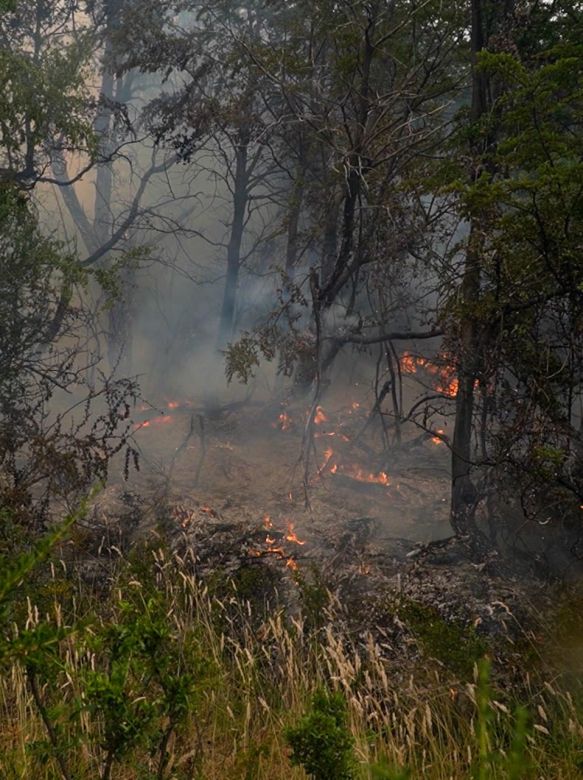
point(464, 494)
point(240, 203)
point(293, 221)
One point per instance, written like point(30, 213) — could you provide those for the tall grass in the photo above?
point(158, 677)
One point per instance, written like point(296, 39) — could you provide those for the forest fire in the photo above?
point(445, 382)
point(154, 421)
point(438, 439)
point(273, 542)
point(352, 471)
point(320, 416)
point(284, 422)
point(292, 536)
point(361, 475)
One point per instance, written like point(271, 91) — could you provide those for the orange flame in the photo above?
point(161, 420)
point(292, 536)
point(437, 439)
point(446, 383)
point(359, 474)
point(408, 363)
point(284, 422)
point(448, 388)
point(320, 416)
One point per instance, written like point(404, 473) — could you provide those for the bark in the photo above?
point(293, 222)
point(464, 494)
point(240, 203)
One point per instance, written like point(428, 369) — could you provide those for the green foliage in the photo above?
point(42, 100)
point(147, 681)
point(458, 647)
point(241, 359)
point(383, 770)
point(314, 595)
point(321, 742)
point(30, 643)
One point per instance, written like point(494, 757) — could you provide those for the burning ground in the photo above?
point(226, 487)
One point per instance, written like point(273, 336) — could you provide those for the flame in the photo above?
point(355, 472)
point(292, 536)
point(446, 383)
point(448, 388)
point(291, 564)
point(361, 475)
point(284, 422)
point(408, 363)
point(161, 420)
point(438, 439)
point(328, 455)
point(320, 416)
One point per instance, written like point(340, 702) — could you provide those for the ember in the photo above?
point(284, 422)
point(445, 383)
point(439, 438)
point(320, 416)
point(161, 420)
point(292, 536)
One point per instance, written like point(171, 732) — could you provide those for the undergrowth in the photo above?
point(155, 677)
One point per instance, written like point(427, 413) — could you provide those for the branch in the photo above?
point(388, 336)
point(132, 213)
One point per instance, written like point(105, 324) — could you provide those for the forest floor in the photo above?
point(372, 525)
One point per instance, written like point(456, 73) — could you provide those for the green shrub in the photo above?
point(321, 742)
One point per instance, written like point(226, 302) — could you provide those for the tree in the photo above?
point(46, 453)
point(517, 327)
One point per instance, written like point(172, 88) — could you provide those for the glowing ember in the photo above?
point(361, 475)
point(267, 522)
point(284, 422)
point(291, 535)
point(446, 382)
point(438, 439)
point(207, 510)
point(162, 420)
point(173, 404)
point(328, 455)
point(355, 405)
point(320, 416)
point(291, 564)
point(448, 388)
point(408, 363)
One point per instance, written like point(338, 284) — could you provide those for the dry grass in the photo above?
point(263, 672)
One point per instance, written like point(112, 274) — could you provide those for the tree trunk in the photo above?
point(240, 203)
point(464, 494)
